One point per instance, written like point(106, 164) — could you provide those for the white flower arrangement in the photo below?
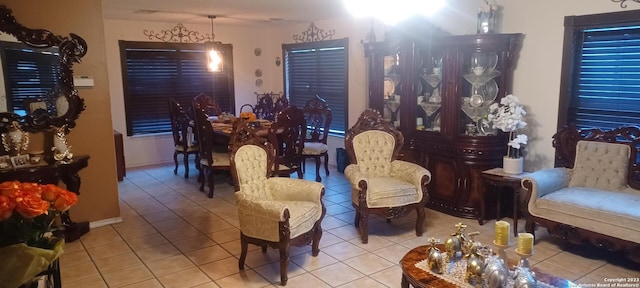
point(508, 116)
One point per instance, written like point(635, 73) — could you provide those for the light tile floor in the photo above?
point(174, 236)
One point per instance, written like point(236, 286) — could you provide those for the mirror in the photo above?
point(55, 102)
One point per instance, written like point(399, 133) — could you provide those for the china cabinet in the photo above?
point(436, 90)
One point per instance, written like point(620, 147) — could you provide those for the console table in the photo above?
point(54, 173)
point(496, 177)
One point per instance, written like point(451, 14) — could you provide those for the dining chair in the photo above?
point(380, 183)
point(208, 104)
point(210, 160)
point(287, 135)
point(273, 212)
point(264, 107)
point(279, 104)
point(318, 117)
point(183, 137)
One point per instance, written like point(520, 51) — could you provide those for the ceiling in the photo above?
point(232, 12)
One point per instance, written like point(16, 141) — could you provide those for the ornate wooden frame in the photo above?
point(565, 142)
point(318, 116)
point(372, 120)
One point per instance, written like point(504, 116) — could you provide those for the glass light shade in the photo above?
point(214, 60)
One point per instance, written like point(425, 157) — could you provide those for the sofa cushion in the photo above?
point(594, 209)
point(601, 165)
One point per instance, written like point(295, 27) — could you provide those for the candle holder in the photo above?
point(524, 259)
point(502, 252)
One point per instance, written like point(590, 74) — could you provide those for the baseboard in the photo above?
point(105, 222)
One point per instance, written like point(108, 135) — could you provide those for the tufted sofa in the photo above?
point(596, 198)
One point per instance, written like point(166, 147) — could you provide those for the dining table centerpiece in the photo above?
point(508, 116)
point(29, 237)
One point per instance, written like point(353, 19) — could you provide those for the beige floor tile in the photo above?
point(566, 272)
point(226, 235)
point(613, 271)
point(207, 285)
point(337, 274)
point(185, 278)
point(170, 224)
point(146, 241)
point(211, 226)
point(129, 276)
point(206, 255)
point(389, 277)
point(221, 268)
point(244, 279)
point(329, 239)
point(374, 243)
point(136, 232)
point(78, 272)
point(190, 244)
point(574, 262)
point(93, 281)
point(108, 250)
point(346, 232)
point(306, 280)
point(157, 252)
point(343, 251)
point(118, 262)
point(100, 236)
point(256, 258)
point(363, 282)
point(543, 253)
point(368, 263)
point(271, 271)
point(160, 216)
point(234, 248)
point(169, 265)
point(181, 234)
point(74, 246)
point(330, 222)
point(73, 258)
point(392, 253)
point(310, 263)
point(130, 223)
point(151, 283)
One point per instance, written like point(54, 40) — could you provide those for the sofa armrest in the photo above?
point(292, 189)
point(353, 174)
point(410, 172)
point(543, 182)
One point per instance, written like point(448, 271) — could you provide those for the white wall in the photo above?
point(536, 78)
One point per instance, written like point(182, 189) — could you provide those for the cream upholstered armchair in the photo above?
point(380, 183)
point(274, 211)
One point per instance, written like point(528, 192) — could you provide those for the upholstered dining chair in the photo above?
point(210, 160)
point(274, 212)
point(380, 183)
point(318, 117)
point(183, 137)
point(287, 135)
point(208, 104)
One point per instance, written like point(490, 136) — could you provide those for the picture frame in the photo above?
point(5, 162)
point(20, 161)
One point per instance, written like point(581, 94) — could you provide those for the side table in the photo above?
point(496, 177)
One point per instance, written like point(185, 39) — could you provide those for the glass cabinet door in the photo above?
point(480, 90)
point(429, 93)
point(392, 89)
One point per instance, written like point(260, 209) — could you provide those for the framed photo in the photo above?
point(5, 162)
point(20, 160)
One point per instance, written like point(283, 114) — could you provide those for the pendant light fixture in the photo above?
point(214, 55)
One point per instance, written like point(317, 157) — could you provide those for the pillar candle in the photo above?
point(525, 243)
point(502, 233)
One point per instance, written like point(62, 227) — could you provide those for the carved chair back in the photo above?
point(372, 143)
point(264, 107)
point(318, 116)
point(287, 135)
point(280, 104)
point(208, 104)
point(204, 134)
point(179, 124)
point(252, 161)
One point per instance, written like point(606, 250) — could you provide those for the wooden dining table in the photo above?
point(224, 129)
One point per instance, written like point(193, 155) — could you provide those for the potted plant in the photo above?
point(508, 116)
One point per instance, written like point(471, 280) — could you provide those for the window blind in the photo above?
point(608, 82)
point(319, 68)
point(30, 73)
point(153, 73)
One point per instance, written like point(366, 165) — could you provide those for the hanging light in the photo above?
point(214, 56)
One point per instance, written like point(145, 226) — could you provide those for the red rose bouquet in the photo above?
point(28, 244)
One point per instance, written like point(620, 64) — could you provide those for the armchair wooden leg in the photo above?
point(317, 234)
point(175, 160)
point(186, 165)
point(364, 225)
point(243, 254)
point(357, 220)
point(530, 226)
point(284, 261)
point(419, 219)
point(264, 248)
point(210, 181)
point(318, 178)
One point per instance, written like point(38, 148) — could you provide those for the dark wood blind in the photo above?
point(153, 73)
point(319, 68)
point(608, 78)
point(29, 73)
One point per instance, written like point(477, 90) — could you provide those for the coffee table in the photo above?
point(416, 277)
